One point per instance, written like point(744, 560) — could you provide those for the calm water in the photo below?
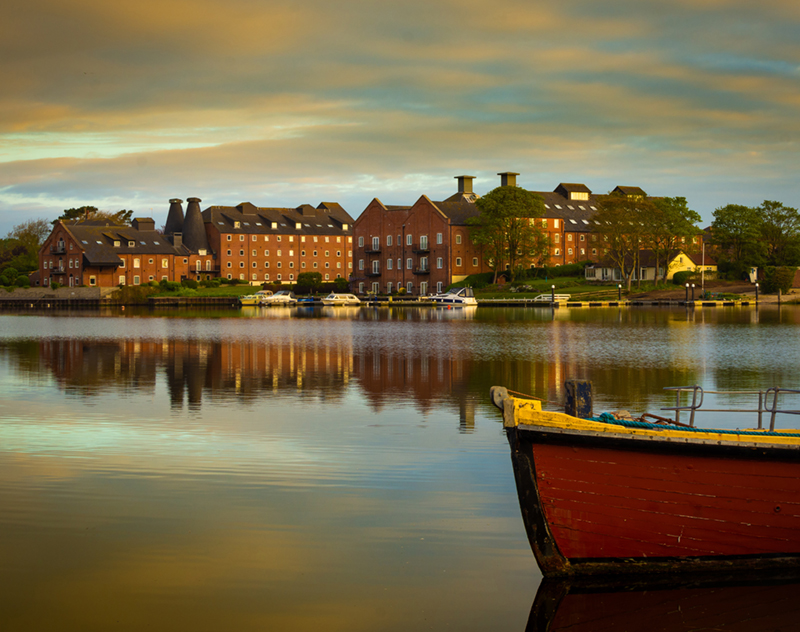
point(310, 469)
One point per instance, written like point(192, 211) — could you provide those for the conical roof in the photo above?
point(194, 231)
point(174, 217)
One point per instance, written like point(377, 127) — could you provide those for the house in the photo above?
point(677, 261)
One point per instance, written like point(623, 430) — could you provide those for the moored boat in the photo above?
point(456, 296)
point(341, 299)
point(254, 299)
point(281, 297)
point(605, 495)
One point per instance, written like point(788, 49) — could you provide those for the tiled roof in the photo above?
point(97, 239)
point(328, 218)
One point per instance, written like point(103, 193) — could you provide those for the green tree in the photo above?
point(780, 233)
point(507, 231)
point(669, 227)
point(311, 280)
point(736, 231)
point(20, 248)
point(621, 221)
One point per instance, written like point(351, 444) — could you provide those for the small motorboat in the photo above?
point(617, 495)
point(251, 300)
point(341, 299)
point(281, 297)
point(456, 296)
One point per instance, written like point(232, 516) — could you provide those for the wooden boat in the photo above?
point(605, 496)
point(719, 604)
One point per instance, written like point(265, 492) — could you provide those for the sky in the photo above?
point(280, 103)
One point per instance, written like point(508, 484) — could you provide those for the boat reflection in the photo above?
point(700, 604)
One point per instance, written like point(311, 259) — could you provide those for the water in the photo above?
point(311, 468)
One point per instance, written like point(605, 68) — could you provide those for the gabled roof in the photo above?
point(630, 191)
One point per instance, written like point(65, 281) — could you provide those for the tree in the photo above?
point(72, 215)
point(620, 220)
point(20, 248)
point(668, 227)
point(506, 229)
point(780, 232)
point(311, 280)
point(736, 230)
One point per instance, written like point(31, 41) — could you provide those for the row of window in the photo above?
point(423, 241)
point(291, 238)
point(279, 253)
point(279, 264)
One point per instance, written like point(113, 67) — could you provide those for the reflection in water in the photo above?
point(720, 604)
point(304, 468)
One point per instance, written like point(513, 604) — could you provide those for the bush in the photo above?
point(777, 279)
point(10, 273)
point(210, 283)
point(401, 291)
point(169, 286)
point(54, 285)
point(341, 284)
point(23, 281)
point(4, 280)
point(681, 278)
point(190, 283)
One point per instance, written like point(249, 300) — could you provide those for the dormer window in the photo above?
point(345, 226)
point(579, 195)
point(116, 243)
point(274, 225)
point(237, 224)
point(298, 225)
point(131, 244)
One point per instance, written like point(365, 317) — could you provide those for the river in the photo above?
point(306, 469)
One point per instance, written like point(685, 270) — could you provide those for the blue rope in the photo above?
point(608, 418)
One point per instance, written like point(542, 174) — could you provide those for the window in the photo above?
point(569, 236)
point(302, 264)
point(439, 287)
point(438, 238)
point(389, 287)
point(409, 240)
point(241, 237)
point(327, 253)
point(230, 276)
point(254, 264)
point(338, 253)
point(594, 251)
point(327, 277)
point(122, 279)
point(136, 280)
point(556, 238)
point(555, 223)
point(266, 253)
point(278, 277)
point(544, 223)
point(237, 224)
point(278, 238)
point(255, 277)
point(229, 252)
point(253, 239)
point(315, 264)
point(556, 252)
point(121, 263)
point(165, 263)
point(399, 240)
point(136, 262)
point(423, 242)
point(241, 253)
point(409, 264)
point(439, 262)
point(327, 264)
point(241, 264)
point(458, 262)
point(389, 264)
point(410, 287)
point(389, 243)
point(583, 237)
point(376, 267)
point(458, 238)
point(583, 251)
point(291, 253)
point(399, 263)
point(279, 253)
point(266, 277)
point(255, 253)
point(279, 264)
point(315, 253)
point(208, 265)
point(360, 264)
point(229, 264)
point(92, 280)
point(229, 237)
point(360, 288)
point(475, 261)
point(376, 243)
point(569, 251)
point(291, 264)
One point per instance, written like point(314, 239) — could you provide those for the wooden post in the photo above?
point(578, 398)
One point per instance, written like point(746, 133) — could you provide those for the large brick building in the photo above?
point(240, 242)
point(426, 246)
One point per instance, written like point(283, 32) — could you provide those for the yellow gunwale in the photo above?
point(527, 412)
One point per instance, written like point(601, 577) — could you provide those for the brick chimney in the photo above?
point(508, 179)
point(465, 183)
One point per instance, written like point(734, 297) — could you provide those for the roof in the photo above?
point(326, 219)
point(633, 191)
point(647, 259)
point(458, 208)
point(576, 214)
point(97, 239)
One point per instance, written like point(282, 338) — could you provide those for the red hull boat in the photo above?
point(598, 497)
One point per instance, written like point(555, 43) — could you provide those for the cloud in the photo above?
point(125, 104)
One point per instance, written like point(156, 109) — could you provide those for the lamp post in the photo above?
point(692, 292)
point(687, 293)
point(619, 291)
point(756, 293)
point(552, 293)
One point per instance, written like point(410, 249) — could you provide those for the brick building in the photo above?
point(423, 247)
point(242, 242)
point(101, 253)
point(276, 244)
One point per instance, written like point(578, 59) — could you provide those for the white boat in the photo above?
point(456, 296)
point(341, 299)
point(281, 297)
point(255, 299)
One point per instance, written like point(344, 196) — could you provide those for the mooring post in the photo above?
point(578, 401)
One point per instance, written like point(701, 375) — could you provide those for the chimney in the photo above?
point(465, 183)
point(143, 223)
point(508, 179)
point(174, 217)
point(177, 240)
